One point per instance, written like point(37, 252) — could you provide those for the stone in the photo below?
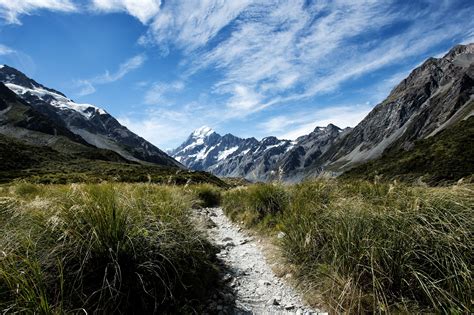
point(264, 283)
point(274, 301)
point(281, 235)
point(260, 291)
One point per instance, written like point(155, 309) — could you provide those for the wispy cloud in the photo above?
point(159, 92)
point(5, 50)
point(10, 10)
point(143, 10)
point(297, 124)
point(87, 86)
point(270, 52)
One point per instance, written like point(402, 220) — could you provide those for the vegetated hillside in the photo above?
point(368, 247)
point(443, 158)
point(92, 124)
point(42, 164)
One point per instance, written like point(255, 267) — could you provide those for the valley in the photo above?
point(366, 208)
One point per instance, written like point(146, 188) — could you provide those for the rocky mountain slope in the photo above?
point(444, 158)
point(435, 96)
point(91, 125)
point(231, 156)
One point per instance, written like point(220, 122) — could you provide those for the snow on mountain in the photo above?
point(57, 100)
point(229, 155)
point(202, 132)
point(91, 123)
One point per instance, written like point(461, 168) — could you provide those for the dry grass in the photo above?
point(371, 247)
point(103, 248)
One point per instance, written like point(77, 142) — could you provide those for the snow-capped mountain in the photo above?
point(254, 160)
point(93, 124)
point(435, 96)
point(229, 155)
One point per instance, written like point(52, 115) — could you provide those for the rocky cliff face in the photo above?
point(433, 97)
point(92, 124)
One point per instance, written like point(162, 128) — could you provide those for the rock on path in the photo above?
point(255, 288)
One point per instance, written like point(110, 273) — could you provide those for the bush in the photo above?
point(105, 249)
point(208, 195)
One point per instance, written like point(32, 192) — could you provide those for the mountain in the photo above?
point(91, 125)
point(444, 158)
point(308, 148)
point(436, 96)
point(38, 148)
point(229, 155)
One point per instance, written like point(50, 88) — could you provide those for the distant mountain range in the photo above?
point(436, 96)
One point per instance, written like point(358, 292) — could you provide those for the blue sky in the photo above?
point(251, 68)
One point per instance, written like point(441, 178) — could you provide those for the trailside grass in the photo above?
point(103, 249)
point(370, 247)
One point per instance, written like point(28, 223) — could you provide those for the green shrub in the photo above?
point(208, 195)
point(107, 248)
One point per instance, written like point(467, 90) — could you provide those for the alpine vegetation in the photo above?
point(104, 248)
point(369, 247)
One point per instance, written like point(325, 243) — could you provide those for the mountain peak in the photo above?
point(327, 128)
point(203, 132)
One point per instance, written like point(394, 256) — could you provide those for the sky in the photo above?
point(251, 68)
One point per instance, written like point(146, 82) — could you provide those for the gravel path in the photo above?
point(252, 286)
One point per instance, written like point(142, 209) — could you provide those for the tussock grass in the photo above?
point(374, 247)
point(207, 195)
point(102, 248)
point(257, 204)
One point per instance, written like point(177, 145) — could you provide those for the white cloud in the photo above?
point(191, 24)
point(157, 94)
point(10, 10)
point(279, 51)
point(5, 50)
point(294, 125)
point(166, 128)
point(143, 10)
point(87, 85)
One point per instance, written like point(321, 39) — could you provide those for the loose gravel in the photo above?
point(250, 285)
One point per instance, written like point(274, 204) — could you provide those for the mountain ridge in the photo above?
point(433, 97)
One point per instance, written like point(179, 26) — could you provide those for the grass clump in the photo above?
point(258, 204)
point(104, 248)
point(208, 195)
point(378, 247)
